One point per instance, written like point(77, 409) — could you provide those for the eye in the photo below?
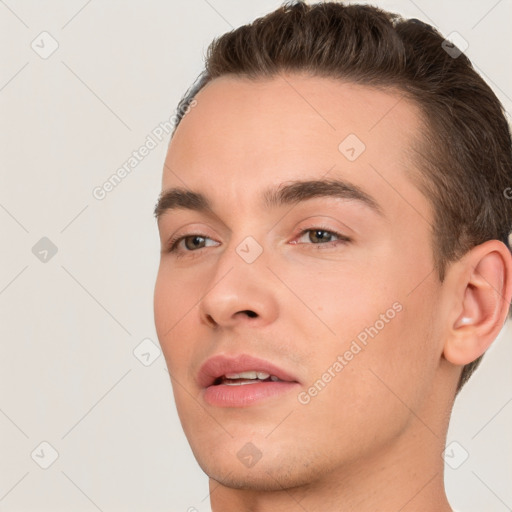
point(189, 243)
point(321, 236)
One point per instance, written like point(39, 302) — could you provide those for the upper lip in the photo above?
point(219, 365)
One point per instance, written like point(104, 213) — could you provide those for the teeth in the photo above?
point(274, 378)
point(242, 375)
point(240, 382)
point(248, 375)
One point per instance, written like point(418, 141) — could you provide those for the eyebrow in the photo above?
point(288, 193)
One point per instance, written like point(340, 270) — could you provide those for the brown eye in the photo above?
point(320, 235)
point(194, 242)
point(321, 238)
point(190, 243)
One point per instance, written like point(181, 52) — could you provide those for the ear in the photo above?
point(482, 289)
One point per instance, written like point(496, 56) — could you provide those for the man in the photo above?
point(335, 258)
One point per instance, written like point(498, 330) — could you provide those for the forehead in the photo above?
point(260, 132)
point(294, 105)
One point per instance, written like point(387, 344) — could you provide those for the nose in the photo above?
point(240, 291)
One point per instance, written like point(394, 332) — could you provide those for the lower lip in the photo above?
point(223, 395)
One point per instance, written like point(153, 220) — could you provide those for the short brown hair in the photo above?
point(465, 154)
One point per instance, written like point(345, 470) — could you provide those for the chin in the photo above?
point(266, 478)
point(273, 472)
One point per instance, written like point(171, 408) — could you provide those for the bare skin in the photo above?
point(372, 436)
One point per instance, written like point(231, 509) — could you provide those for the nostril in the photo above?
point(250, 313)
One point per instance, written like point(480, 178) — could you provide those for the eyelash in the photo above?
point(172, 246)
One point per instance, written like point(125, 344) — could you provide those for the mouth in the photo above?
point(239, 381)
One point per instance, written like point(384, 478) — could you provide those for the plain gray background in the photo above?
point(73, 373)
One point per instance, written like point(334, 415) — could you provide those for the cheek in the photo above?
point(173, 307)
point(401, 354)
point(380, 368)
point(175, 295)
point(347, 299)
point(374, 320)
point(164, 304)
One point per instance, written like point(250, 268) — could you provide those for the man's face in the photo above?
point(337, 292)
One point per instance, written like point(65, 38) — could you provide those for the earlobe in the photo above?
point(482, 288)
